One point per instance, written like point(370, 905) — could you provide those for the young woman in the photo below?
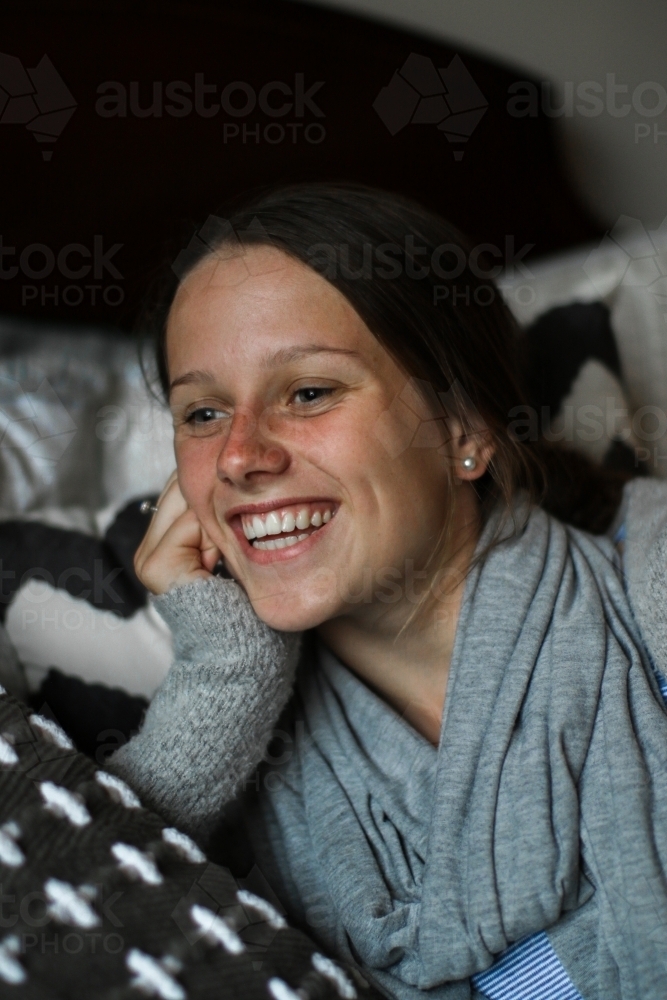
point(473, 749)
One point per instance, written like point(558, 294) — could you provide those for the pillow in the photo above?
point(100, 896)
point(81, 434)
point(71, 600)
point(626, 274)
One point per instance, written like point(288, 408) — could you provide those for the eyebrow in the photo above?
point(283, 356)
point(287, 354)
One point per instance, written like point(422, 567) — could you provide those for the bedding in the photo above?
point(102, 899)
point(625, 375)
point(73, 601)
point(81, 435)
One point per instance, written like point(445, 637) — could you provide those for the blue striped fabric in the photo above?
point(529, 970)
point(662, 684)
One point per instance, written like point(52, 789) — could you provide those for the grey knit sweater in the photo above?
point(230, 679)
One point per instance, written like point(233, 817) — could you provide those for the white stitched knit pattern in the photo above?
point(215, 929)
point(151, 977)
point(69, 905)
point(134, 862)
point(171, 964)
point(8, 754)
point(118, 790)
point(183, 844)
point(334, 974)
point(11, 970)
point(279, 990)
point(270, 914)
point(50, 731)
point(10, 852)
point(64, 804)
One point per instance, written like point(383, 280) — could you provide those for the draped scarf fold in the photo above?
point(545, 802)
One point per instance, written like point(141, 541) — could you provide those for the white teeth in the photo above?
point(280, 543)
point(273, 523)
point(302, 518)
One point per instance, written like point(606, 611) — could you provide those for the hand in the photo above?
point(175, 549)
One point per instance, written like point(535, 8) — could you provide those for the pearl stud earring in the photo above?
point(469, 463)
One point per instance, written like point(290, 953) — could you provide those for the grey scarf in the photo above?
point(544, 806)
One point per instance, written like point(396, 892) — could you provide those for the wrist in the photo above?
point(211, 617)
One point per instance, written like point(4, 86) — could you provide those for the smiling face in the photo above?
point(287, 444)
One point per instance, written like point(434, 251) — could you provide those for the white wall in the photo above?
point(570, 40)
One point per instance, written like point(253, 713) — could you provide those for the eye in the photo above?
point(311, 394)
point(204, 415)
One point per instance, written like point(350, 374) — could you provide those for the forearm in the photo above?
point(208, 725)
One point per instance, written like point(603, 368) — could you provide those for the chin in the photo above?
point(287, 615)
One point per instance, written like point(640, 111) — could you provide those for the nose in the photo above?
point(247, 453)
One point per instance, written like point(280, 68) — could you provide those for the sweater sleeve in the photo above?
point(210, 722)
point(645, 563)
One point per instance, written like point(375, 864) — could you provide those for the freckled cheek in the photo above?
point(339, 445)
point(196, 462)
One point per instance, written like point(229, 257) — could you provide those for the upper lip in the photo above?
point(267, 505)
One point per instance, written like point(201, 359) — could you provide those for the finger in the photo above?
point(171, 501)
point(180, 542)
point(176, 558)
point(210, 553)
point(184, 532)
point(171, 504)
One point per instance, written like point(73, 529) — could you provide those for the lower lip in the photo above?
point(264, 556)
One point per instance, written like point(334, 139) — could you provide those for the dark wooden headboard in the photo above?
point(87, 158)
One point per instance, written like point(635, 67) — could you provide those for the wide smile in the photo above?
point(271, 532)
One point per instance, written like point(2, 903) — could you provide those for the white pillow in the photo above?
point(627, 271)
point(80, 433)
point(50, 628)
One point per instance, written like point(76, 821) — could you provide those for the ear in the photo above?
point(469, 449)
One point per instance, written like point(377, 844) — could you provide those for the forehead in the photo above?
point(250, 302)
